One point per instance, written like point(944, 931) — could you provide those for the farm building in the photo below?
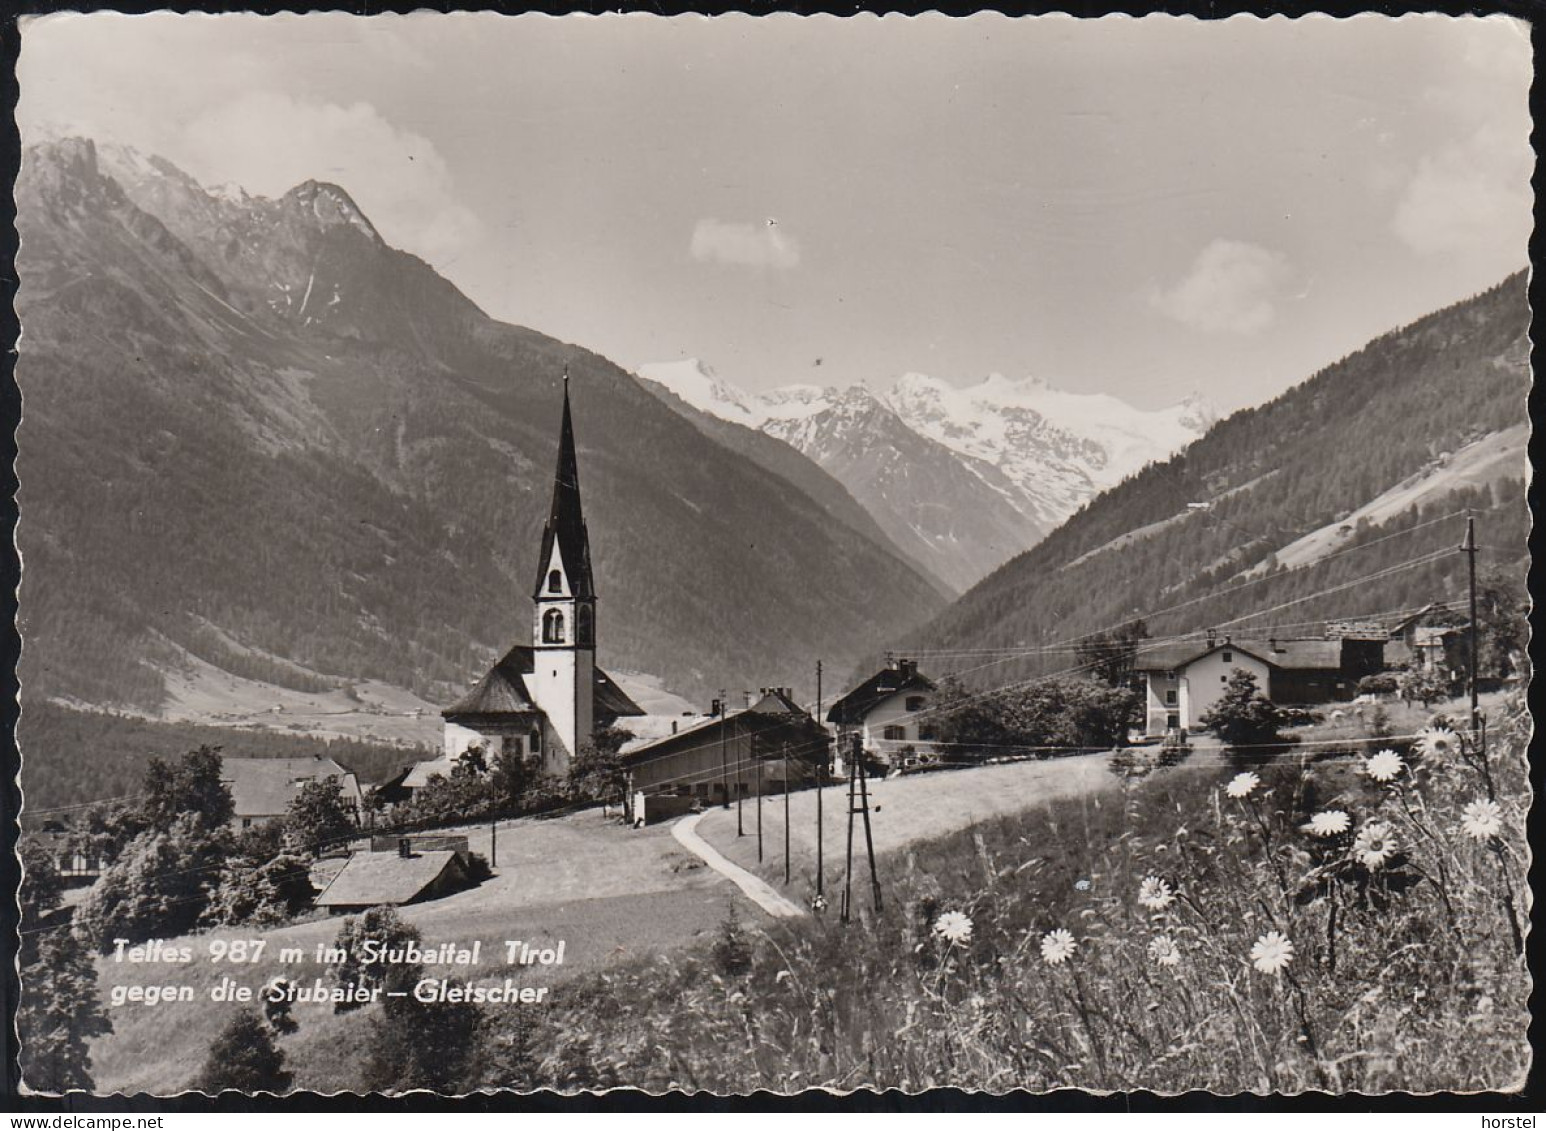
point(888, 712)
point(394, 877)
point(728, 754)
point(544, 699)
point(1183, 681)
point(1433, 639)
point(262, 788)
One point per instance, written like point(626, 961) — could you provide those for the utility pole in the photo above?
point(493, 842)
point(821, 780)
point(759, 810)
point(740, 773)
point(724, 770)
point(1469, 549)
point(859, 804)
point(786, 812)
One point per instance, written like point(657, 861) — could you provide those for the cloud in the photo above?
point(1469, 198)
point(269, 142)
point(1232, 288)
point(1469, 195)
point(745, 245)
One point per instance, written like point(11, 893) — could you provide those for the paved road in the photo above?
point(755, 889)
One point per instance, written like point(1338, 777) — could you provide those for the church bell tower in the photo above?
point(564, 628)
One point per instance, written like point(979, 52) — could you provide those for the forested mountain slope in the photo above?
point(256, 433)
point(1429, 416)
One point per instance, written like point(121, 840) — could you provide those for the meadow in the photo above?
point(1349, 923)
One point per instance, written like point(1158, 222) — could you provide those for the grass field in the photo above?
point(611, 893)
point(1335, 924)
point(904, 811)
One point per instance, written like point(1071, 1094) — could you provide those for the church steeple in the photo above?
point(565, 526)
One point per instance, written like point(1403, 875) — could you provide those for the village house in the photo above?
point(262, 788)
point(398, 871)
point(888, 713)
point(1419, 641)
point(731, 753)
point(545, 699)
point(1183, 681)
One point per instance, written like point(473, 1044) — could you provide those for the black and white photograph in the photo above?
point(773, 554)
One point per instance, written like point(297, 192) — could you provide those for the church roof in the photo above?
point(612, 699)
point(503, 691)
point(566, 521)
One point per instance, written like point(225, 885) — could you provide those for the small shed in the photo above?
point(370, 879)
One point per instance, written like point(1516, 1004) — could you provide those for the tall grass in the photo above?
point(1405, 972)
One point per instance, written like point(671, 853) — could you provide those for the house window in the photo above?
point(1173, 721)
point(915, 702)
point(1170, 676)
point(927, 733)
point(246, 822)
point(1223, 679)
point(1170, 698)
point(555, 582)
point(534, 744)
point(1229, 657)
point(552, 627)
point(894, 734)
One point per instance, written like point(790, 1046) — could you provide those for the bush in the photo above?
point(59, 1012)
point(1381, 683)
point(732, 953)
point(159, 887)
point(262, 894)
point(244, 1059)
point(318, 818)
point(1244, 719)
point(382, 925)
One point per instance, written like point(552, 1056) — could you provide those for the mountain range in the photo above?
point(960, 479)
point(1345, 496)
point(257, 437)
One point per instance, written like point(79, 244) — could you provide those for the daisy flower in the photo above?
point(1438, 742)
point(1481, 820)
point(1241, 785)
point(1163, 952)
point(1155, 893)
point(1331, 822)
point(1056, 947)
point(1272, 952)
point(953, 927)
point(1374, 845)
point(1384, 766)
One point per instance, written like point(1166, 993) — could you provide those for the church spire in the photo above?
point(566, 521)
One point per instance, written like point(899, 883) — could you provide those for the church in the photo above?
point(544, 699)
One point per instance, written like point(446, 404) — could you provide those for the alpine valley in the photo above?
point(961, 479)
point(262, 447)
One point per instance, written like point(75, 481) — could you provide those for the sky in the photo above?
point(1147, 208)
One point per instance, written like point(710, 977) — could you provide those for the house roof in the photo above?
point(503, 691)
point(566, 521)
point(371, 878)
point(773, 709)
point(1286, 655)
point(264, 787)
point(852, 708)
point(418, 775)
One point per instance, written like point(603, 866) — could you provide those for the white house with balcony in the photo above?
point(890, 712)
